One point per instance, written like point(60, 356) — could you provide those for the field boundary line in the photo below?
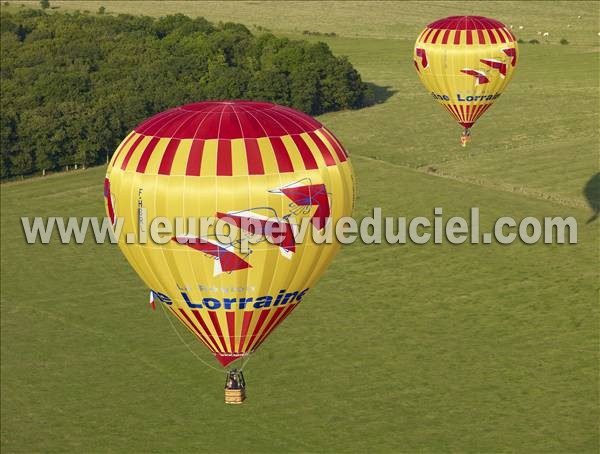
point(506, 187)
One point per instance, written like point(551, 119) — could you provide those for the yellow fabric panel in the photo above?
point(293, 152)
point(208, 166)
point(239, 162)
point(329, 146)
point(181, 157)
point(268, 156)
point(156, 157)
point(314, 150)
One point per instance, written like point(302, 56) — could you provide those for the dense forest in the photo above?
point(73, 85)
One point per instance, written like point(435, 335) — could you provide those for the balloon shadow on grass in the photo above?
point(591, 191)
point(377, 94)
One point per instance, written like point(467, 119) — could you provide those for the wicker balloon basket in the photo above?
point(235, 396)
point(235, 387)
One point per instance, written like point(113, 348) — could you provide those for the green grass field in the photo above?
point(434, 348)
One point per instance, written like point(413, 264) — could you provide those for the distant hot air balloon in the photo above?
point(466, 62)
point(246, 163)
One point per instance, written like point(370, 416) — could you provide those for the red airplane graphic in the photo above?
point(306, 196)
point(495, 64)
point(283, 238)
point(423, 56)
point(480, 77)
point(303, 197)
point(511, 52)
point(226, 260)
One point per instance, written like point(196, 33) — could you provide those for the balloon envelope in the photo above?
point(465, 62)
point(245, 163)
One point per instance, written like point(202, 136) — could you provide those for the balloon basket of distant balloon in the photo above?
point(465, 137)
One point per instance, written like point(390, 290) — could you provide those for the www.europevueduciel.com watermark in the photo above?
point(243, 231)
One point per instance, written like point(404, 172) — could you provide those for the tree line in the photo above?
point(73, 85)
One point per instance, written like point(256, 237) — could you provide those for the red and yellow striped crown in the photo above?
point(228, 138)
point(467, 30)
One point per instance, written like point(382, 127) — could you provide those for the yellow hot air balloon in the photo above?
point(466, 62)
point(246, 164)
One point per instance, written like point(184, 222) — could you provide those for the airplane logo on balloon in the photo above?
point(481, 77)
point(420, 52)
point(229, 257)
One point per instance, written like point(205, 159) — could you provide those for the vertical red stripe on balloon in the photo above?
point(501, 35)
point(427, 35)
point(485, 108)
point(259, 324)
point(231, 329)
point(435, 36)
point(491, 35)
point(341, 153)
point(195, 328)
point(462, 114)
point(445, 37)
point(469, 37)
point(329, 160)
point(206, 330)
point(130, 152)
point(245, 325)
point(456, 112)
point(457, 36)
point(167, 159)
point(474, 112)
point(253, 157)
point(482, 110)
point(141, 167)
point(284, 163)
point(481, 36)
point(224, 166)
point(215, 321)
point(305, 153)
point(194, 162)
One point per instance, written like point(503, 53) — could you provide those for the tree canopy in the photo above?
point(73, 85)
